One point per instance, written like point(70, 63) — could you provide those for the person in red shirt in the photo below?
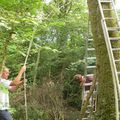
point(82, 80)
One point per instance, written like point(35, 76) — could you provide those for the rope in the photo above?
point(25, 81)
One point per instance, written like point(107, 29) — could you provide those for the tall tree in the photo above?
point(106, 103)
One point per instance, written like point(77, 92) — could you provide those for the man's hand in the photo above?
point(17, 81)
point(23, 69)
point(12, 88)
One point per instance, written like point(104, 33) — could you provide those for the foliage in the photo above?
point(58, 29)
point(72, 92)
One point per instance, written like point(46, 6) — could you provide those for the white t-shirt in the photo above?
point(4, 94)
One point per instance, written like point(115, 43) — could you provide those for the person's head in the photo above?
point(5, 73)
point(78, 77)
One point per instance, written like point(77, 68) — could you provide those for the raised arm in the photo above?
point(17, 81)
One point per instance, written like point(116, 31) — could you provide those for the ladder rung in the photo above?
point(118, 72)
point(115, 49)
point(87, 112)
point(84, 118)
point(94, 92)
point(107, 9)
point(91, 58)
point(90, 49)
point(91, 67)
point(105, 1)
point(114, 38)
point(110, 18)
point(94, 98)
point(90, 39)
point(89, 106)
point(117, 60)
point(88, 84)
point(90, 75)
point(113, 28)
point(87, 91)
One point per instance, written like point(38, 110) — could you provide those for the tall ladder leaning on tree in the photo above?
point(111, 42)
point(89, 97)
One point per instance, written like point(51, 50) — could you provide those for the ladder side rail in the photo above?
point(86, 65)
point(113, 68)
point(119, 27)
point(110, 51)
point(117, 17)
point(101, 10)
point(86, 54)
point(85, 92)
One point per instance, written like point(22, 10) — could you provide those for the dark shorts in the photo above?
point(5, 115)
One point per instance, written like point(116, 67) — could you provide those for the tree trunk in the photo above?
point(106, 99)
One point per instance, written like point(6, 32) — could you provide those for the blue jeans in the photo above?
point(5, 115)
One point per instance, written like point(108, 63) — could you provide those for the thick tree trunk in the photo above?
point(106, 100)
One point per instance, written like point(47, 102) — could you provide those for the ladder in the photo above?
point(107, 29)
point(89, 72)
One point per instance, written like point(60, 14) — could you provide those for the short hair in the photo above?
point(76, 77)
point(4, 68)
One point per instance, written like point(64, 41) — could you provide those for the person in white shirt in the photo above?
point(6, 86)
